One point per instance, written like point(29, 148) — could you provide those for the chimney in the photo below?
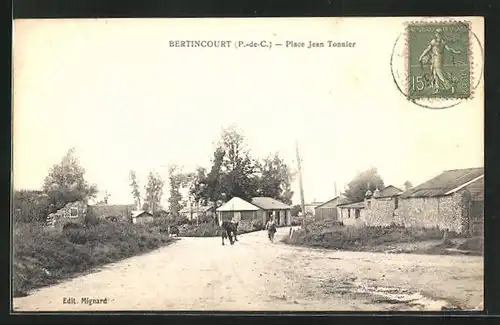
point(376, 193)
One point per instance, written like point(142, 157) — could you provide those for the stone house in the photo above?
point(352, 213)
point(381, 206)
point(376, 210)
point(328, 210)
point(72, 212)
point(453, 200)
point(260, 209)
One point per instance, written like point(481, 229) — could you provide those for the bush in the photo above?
point(38, 250)
point(332, 234)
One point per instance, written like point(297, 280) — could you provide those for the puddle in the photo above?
point(400, 298)
point(394, 295)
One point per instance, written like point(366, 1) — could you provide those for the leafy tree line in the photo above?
point(233, 172)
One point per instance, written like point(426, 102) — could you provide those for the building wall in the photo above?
point(71, 212)
point(348, 216)
point(246, 216)
point(327, 213)
point(445, 212)
point(380, 211)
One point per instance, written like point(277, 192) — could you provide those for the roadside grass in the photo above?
point(44, 256)
point(332, 235)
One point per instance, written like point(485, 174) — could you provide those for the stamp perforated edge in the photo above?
point(470, 53)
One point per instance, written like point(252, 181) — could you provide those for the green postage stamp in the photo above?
point(438, 60)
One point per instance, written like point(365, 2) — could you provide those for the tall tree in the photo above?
point(276, 179)
point(407, 185)
point(238, 167)
point(66, 182)
point(154, 192)
point(136, 193)
point(176, 180)
point(368, 179)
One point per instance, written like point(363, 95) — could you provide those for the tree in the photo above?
point(154, 192)
point(295, 210)
point(238, 167)
point(407, 185)
point(276, 179)
point(66, 183)
point(136, 193)
point(176, 181)
point(369, 179)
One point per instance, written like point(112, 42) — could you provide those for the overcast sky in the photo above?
point(115, 91)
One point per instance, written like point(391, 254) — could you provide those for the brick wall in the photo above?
point(445, 212)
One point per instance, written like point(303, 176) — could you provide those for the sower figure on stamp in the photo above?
point(435, 50)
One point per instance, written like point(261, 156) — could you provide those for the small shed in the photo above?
point(142, 217)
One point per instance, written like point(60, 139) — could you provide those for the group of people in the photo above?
point(230, 230)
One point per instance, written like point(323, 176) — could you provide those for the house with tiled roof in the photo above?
point(259, 209)
point(452, 200)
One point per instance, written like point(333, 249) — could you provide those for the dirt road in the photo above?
point(254, 274)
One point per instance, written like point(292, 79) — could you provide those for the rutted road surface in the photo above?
point(254, 274)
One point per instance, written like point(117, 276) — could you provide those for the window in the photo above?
point(369, 204)
point(396, 203)
point(357, 213)
point(348, 213)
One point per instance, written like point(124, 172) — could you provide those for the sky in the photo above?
point(115, 91)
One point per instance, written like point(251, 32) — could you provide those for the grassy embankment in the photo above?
point(44, 256)
point(331, 235)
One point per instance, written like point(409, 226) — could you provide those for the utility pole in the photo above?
point(302, 201)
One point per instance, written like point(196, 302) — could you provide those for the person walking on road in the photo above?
point(271, 229)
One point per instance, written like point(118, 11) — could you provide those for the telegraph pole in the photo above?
point(302, 201)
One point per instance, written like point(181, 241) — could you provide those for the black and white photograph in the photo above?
point(237, 164)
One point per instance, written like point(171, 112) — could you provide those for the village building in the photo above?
point(380, 207)
point(376, 210)
point(74, 212)
point(328, 210)
point(197, 213)
point(142, 217)
point(260, 209)
point(311, 207)
point(453, 200)
point(352, 213)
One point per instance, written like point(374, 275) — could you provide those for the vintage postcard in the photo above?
point(264, 164)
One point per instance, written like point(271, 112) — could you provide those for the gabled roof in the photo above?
point(237, 204)
point(355, 205)
point(390, 191)
point(268, 203)
point(136, 214)
point(445, 183)
point(340, 200)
